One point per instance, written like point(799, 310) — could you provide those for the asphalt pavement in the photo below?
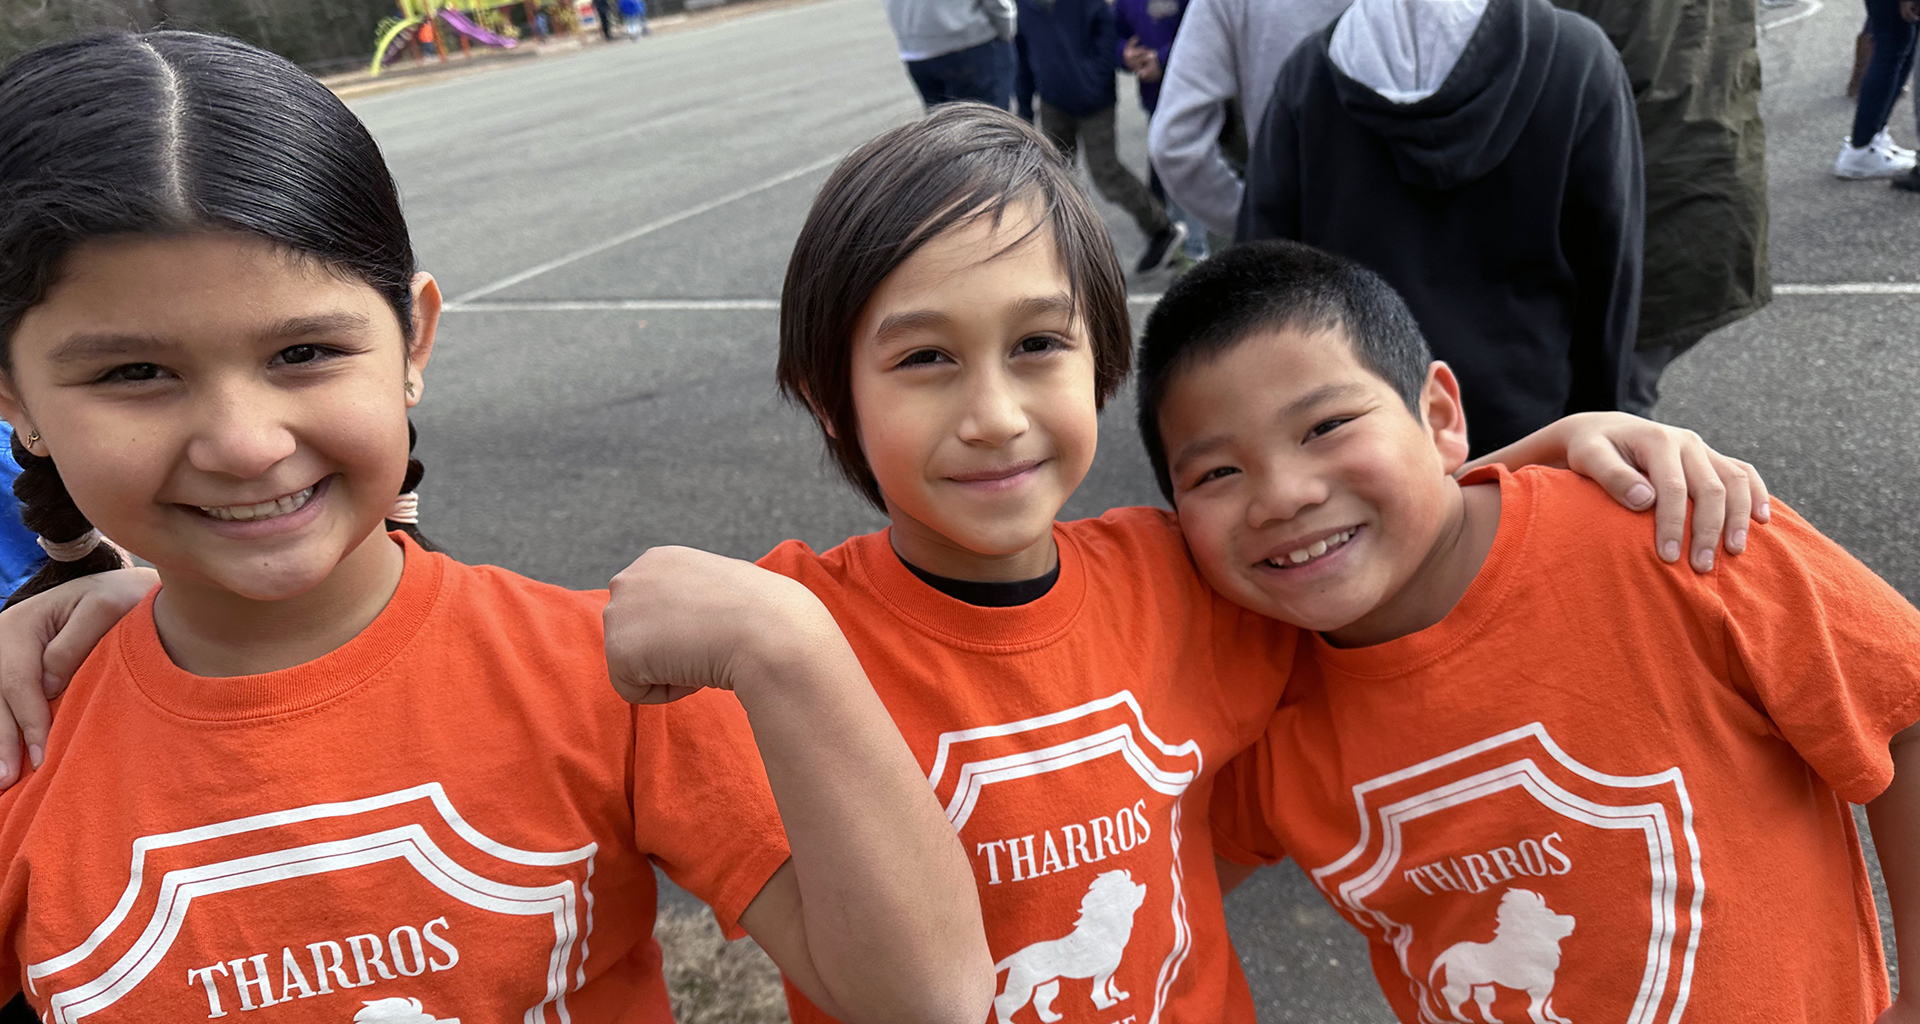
point(613, 226)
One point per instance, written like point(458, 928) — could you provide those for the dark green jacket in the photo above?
point(1695, 70)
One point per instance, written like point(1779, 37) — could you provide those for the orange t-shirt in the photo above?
point(1603, 788)
point(449, 817)
point(1073, 741)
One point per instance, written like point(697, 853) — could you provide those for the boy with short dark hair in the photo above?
point(1542, 773)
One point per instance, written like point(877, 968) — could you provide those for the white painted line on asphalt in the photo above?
point(1812, 9)
point(643, 230)
point(1134, 299)
point(1851, 288)
point(614, 305)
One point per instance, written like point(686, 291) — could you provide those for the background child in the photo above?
point(1483, 157)
point(1540, 771)
point(1073, 50)
point(1146, 29)
point(634, 13)
point(954, 316)
point(321, 762)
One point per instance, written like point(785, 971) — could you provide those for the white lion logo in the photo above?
point(398, 1011)
point(1092, 950)
point(1524, 955)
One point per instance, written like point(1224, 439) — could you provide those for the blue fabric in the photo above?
point(20, 554)
point(1894, 39)
point(1154, 23)
point(1074, 52)
point(983, 73)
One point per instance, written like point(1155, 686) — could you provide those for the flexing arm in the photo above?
point(1183, 139)
point(1895, 817)
point(1644, 464)
point(875, 918)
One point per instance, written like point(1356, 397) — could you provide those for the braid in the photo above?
point(414, 472)
point(47, 510)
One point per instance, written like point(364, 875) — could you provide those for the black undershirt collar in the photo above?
point(989, 593)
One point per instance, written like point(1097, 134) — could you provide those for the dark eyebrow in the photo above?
point(81, 348)
point(909, 322)
point(912, 321)
point(1035, 307)
point(318, 324)
point(1305, 403)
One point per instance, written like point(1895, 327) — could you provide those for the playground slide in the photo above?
point(465, 26)
point(395, 34)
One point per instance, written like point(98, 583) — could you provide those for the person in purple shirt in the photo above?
point(1146, 29)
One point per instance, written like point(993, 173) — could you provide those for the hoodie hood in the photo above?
point(1447, 87)
point(1403, 49)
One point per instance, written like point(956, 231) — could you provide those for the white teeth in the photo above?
point(263, 510)
point(1313, 551)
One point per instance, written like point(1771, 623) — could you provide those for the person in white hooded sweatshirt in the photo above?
point(1483, 156)
point(1213, 90)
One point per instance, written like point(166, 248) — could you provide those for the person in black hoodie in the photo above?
point(1483, 156)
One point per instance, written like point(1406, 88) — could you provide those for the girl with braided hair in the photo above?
point(322, 766)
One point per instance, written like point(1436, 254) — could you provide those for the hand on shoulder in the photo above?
point(43, 641)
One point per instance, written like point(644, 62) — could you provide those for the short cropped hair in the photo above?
point(962, 162)
point(1270, 286)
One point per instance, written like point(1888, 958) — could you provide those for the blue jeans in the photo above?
point(1893, 47)
point(983, 73)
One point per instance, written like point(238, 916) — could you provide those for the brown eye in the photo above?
point(923, 357)
point(299, 354)
point(1327, 427)
point(131, 372)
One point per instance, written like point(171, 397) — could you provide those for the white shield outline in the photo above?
point(970, 777)
point(1526, 774)
point(178, 888)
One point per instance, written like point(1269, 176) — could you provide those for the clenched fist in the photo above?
point(681, 620)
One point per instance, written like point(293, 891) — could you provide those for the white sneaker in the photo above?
point(1858, 162)
point(1885, 144)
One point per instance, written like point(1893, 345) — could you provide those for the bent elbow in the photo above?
point(958, 990)
point(966, 998)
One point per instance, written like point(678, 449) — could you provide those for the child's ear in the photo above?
point(426, 323)
point(12, 411)
point(1444, 416)
point(826, 424)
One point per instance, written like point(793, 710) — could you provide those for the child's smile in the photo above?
point(287, 512)
point(1313, 553)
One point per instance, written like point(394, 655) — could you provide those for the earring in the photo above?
point(32, 438)
point(409, 388)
